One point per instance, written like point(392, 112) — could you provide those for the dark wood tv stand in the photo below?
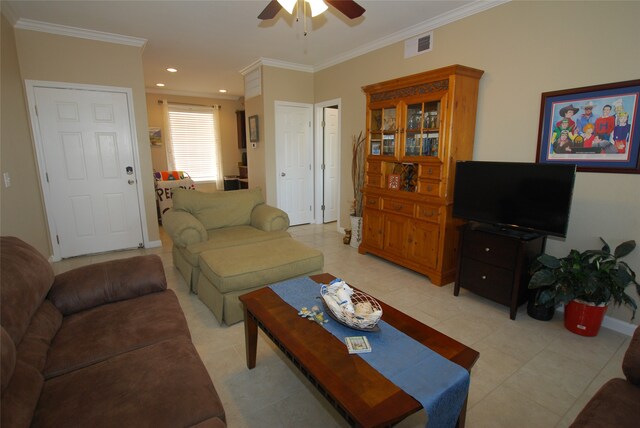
point(494, 263)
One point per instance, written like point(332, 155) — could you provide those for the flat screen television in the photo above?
point(523, 196)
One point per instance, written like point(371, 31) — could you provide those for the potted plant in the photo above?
point(585, 282)
point(357, 178)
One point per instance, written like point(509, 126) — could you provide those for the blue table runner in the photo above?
point(440, 385)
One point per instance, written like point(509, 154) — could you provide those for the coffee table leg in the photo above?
point(463, 414)
point(250, 338)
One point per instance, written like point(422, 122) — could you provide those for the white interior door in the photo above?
point(294, 156)
point(331, 165)
point(86, 141)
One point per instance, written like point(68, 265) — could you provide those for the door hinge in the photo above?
point(36, 107)
point(46, 174)
point(322, 167)
point(309, 124)
point(310, 208)
point(322, 207)
point(322, 123)
point(58, 239)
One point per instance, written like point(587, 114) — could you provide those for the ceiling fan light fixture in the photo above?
point(317, 7)
point(288, 5)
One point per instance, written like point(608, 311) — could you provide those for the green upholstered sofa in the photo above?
point(202, 221)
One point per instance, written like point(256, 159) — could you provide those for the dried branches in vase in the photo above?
point(357, 172)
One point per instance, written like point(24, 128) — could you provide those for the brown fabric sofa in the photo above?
point(106, 345)
point(617, 402)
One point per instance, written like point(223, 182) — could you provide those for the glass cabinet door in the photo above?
point(382, 134)
point(422, 136)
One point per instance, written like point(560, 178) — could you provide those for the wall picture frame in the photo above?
point(594, 127)
point(253, 129)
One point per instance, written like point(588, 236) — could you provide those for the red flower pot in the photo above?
point(584, 318)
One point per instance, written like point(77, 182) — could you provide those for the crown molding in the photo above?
point(423, 27)
point(276, 63)
point(63, 30)
point(217, 96)
point(249, 68)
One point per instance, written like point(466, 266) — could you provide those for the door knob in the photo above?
point(131, 181)
point(282, 174)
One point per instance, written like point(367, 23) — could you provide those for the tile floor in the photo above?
point(530, 373)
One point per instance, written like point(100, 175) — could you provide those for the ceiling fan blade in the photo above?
point(349, 8)
point(271, 10)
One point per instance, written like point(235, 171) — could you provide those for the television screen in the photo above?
point(530, 196)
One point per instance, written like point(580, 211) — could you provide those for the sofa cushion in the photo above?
point(112, 281)
point(8, 357)
point(92, 336)
point(229, 237)
point(616, 404)
point(164, 385)
point(35, 345)
point(218, 209)
point(20, 398)
point(247, 266)
point(26, 277)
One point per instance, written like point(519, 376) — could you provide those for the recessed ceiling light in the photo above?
point(159, 84)
point(222, 90)
point(172, 70)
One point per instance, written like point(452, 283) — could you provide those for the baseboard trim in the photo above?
point(153, 244)
point(614, 324)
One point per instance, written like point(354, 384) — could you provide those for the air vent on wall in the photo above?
point(418, 45)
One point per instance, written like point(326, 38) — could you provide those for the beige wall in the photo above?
point(279, 85)
point(21, 212)
point(525, 48)
point(256, 157)
point(49, 57)
point(231, 154)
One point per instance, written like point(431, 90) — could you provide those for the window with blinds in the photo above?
point(194, 141)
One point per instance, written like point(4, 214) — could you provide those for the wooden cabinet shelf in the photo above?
point(417, 128)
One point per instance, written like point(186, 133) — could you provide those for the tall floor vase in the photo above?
point(356, 231)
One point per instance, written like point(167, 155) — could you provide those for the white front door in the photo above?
point(86, 141)
point(331, 165)
point(294, 157)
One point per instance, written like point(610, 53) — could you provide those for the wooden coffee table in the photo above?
point(360, 394)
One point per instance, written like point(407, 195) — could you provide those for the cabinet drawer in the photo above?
point(487, 280)
point(372, 202)
point(431, 188)
point(428, 212)
point(489, 248)
point(433, 172)
point(397, 206)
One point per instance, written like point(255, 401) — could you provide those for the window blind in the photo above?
point(194, 141)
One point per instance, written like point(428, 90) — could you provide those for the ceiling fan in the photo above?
point(349, 8)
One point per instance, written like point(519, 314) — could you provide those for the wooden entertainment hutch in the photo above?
point(417, 128)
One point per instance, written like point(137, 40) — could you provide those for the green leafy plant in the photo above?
point(593, 276)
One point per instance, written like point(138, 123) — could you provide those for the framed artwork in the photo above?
point(393, 181)
point(253, 129)
point(594, 127)
point(155, 136)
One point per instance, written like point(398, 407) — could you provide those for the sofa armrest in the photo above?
point(268, 218)
point(94, 285)
point(183, 228)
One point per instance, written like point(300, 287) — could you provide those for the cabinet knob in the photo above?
point(487, 249)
